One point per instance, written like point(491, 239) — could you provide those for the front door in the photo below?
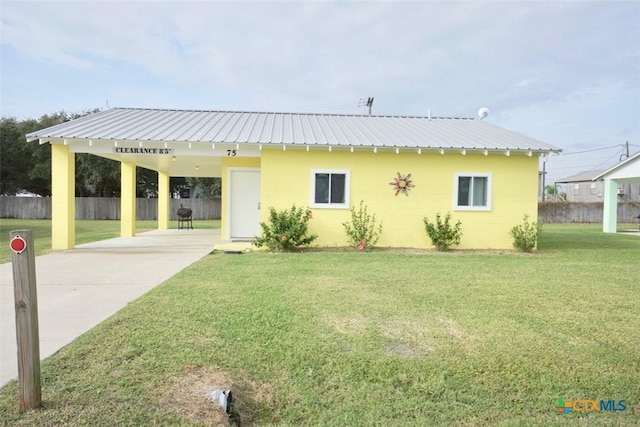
point(244, 203)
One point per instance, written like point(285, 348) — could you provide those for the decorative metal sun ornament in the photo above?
point(402, 184)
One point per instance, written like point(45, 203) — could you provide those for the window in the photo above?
point(473, 192)
point(330, 189)
point(593, 189)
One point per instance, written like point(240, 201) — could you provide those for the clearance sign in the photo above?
point(136, 150)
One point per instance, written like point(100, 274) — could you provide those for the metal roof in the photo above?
point(587, 176)
point(236, 127)
point(625, 163)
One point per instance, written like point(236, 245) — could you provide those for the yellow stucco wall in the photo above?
point(63, 201)
point(127, 199)
point(286, 179)
point(232, 162)
point(163, 200)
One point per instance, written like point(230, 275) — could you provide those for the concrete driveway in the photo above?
point(79, 288)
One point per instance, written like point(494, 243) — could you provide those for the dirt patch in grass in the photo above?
point(411, 338)
point(353, 325)
point(399, 350)
point(467, 341)
point(187, 396)
point(408, 335)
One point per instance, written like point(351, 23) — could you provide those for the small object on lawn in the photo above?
point(234, 251)
point(222, 397)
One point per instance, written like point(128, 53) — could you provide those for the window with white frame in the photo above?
point(330, 188)
point(473, 191)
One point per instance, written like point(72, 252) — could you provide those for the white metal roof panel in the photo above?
point(130, 124)
point(627, 169)
point(586, 176)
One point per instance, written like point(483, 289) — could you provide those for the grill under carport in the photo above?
point(185, 218)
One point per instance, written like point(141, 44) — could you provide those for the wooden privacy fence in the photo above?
point(25, 207)
point(563, 212)
point(105, 208)
point(109, 208)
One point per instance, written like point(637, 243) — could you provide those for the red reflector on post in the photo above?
point(18, 244)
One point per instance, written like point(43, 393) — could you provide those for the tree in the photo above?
point(210, 187)
point(26, 166)
point(147, 183)
point(97, 176)
point(16, 158)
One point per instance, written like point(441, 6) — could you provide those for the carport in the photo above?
point(174, 143)
point(625, 172)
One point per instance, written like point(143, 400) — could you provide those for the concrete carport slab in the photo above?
point(79, 288)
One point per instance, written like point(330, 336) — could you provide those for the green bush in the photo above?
point(362, 232)
point(443, 234)
point(286, 230)
point(525, 235)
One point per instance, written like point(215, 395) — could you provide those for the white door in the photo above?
point(244, 203)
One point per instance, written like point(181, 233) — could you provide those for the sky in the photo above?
point(566, 72)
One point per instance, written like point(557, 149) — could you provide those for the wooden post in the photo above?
point(26, 304)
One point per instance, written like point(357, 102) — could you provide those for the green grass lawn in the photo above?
point(380, 338)
point(86, 231)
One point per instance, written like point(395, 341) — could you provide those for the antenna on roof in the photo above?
point(370, 103)
point(483, 112)
point(107, 102)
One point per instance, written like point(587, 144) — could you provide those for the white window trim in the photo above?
point(473, 175)
point(347, 189)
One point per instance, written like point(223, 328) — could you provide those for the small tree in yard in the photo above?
point(286, 230)
point(525, 235)
point(362, 232)
point(442, 233)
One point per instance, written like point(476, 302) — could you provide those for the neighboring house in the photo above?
point(585, 187)
point(581, 187)
point(486, 176)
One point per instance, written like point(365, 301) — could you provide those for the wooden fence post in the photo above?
point(26, 305)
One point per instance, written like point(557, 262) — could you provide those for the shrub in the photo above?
point(362, 232)
point(525, 235)
point(443, 234)
point(286, 230)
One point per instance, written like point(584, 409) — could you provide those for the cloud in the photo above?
point(558, 71)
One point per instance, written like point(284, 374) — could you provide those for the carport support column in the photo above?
point(610, 213)
point(63, 201)
point(127, 199)
point(163, 201)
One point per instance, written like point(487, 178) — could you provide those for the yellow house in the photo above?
point(485, 175)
